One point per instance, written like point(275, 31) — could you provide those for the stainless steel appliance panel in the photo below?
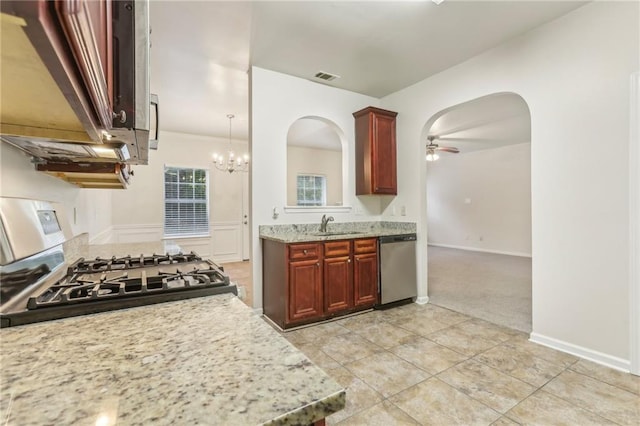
point(31, 226)
point(398, 280)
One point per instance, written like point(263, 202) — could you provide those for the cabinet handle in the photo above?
point(304, 251)
point(317, 263)
point(348, 260)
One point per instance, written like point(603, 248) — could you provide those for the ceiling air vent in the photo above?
point(326, 76)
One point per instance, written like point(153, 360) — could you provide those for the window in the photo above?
point(311, 190)
point(186, 206)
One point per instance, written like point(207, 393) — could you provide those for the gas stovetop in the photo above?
point(103, 284)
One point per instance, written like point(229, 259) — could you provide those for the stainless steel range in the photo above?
point(36, 284)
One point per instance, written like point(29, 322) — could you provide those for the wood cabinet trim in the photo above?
point(368, 245)
point(337, 248)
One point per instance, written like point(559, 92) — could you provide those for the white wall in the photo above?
point(312, 161)
point(18, 178)
point(481, 200)
point(574, 74)
point(277, 100)
point(138, 213)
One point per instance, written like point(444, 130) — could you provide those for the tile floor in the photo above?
point(423, 364)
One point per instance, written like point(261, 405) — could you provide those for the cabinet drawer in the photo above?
point(304, 251)
point(337, 248)
point(368, 245)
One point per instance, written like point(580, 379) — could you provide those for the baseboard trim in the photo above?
point(579, 351)
point(422, 300)
point(508, 253)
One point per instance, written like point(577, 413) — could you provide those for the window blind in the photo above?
point(186, 202)
point(311, 190)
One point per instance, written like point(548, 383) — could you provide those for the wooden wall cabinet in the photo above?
point(309, 282)
point(57, 69)
point(376, 168)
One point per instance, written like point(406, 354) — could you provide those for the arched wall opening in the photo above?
point(478, 204)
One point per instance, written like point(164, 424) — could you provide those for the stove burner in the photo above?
point(128, 262)
point(87, 288)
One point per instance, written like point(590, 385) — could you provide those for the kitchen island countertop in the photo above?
point(207, 360)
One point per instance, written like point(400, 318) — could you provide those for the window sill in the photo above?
point(317, 209)
point(184, 237)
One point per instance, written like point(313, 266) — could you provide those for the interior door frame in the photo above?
point(246, 218)
point(634, 226)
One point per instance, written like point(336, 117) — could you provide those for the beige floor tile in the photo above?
point(487, 385)
point(386, 373)
point(447, 315)
point(461, 341)
point(520, 364)
point(318, 357)
point(544, 409)
point(620, 379)
point(316, 334)
point(427, 355)
point(504, 421)
point(419, 324)
point(523, 345)
point(401, 312)
point(608, 401)
point(382, 414)
point(349, 347)
point(386, 335)
point(358, 322)
point(359, 395)
point(434, 402)
point(487, 330)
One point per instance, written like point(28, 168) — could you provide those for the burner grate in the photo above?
point(129, 262)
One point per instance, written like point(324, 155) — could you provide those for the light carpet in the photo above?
point(493, 287)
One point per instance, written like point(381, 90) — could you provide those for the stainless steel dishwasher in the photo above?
point(397, 268)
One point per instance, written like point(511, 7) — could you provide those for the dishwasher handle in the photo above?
point(397, 238)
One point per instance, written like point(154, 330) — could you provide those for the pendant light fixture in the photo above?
point(232, 163)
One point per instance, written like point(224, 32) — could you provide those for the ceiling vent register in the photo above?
point(326, 76)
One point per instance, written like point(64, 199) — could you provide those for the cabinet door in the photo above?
point(305, 290)
point(338, 291)
point(87, 27)
point(365, 279)
point(383, 155)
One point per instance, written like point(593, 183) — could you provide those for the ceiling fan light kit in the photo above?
point(433, 147)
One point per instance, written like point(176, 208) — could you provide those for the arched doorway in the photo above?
point(479, 209)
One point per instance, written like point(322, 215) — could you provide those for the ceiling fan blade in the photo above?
point(448, 149)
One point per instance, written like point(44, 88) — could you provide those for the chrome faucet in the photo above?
point(324, 222)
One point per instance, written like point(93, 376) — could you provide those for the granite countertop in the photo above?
point(298, 233)
point(207, 360)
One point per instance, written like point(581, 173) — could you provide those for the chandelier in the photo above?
point(231, 163)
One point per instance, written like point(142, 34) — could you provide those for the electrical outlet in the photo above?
point(403, 211)
point(393, 211)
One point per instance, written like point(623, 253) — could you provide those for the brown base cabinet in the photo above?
point(309, 282)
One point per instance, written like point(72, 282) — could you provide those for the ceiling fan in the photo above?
point(433, 147)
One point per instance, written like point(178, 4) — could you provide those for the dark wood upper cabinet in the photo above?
point(376, 167)
point(87, 26)
point(56, 62)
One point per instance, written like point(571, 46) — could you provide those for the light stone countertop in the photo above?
point(299, 233)
point(208, 360)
